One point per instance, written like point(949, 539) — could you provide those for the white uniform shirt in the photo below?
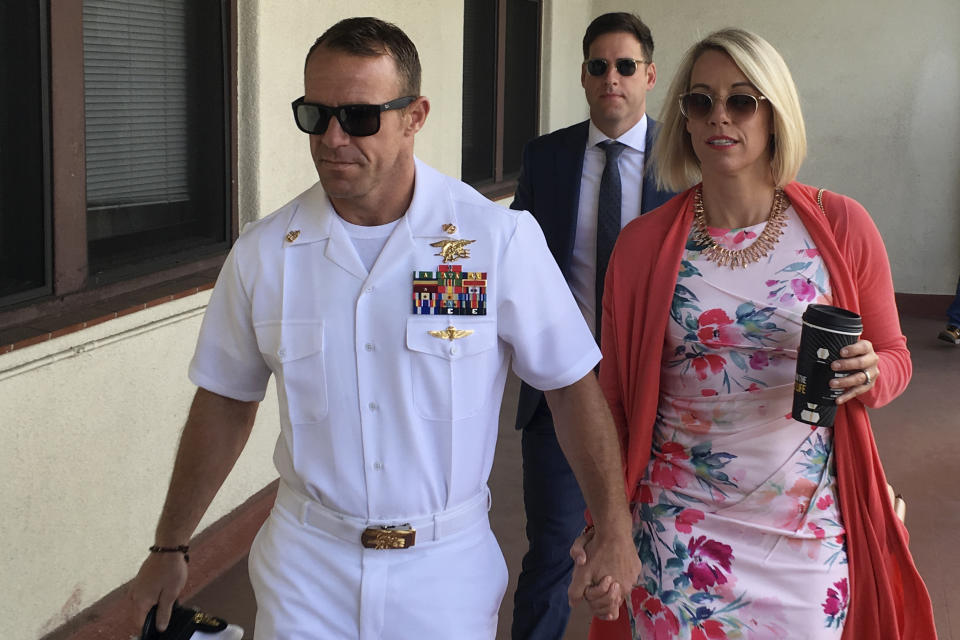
point(380, 419)
point(583, 268)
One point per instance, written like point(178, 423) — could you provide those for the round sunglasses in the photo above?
point(358, 120)
point(739, 106)
point(625, 66)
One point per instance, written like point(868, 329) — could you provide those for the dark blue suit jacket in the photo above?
point(549, 188)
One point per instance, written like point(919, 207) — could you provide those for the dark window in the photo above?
point(501, 71)
point(126, 104)
point(24, 205)
point(156, 154)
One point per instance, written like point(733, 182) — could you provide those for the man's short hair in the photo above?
point(619, 22)
point(375, 37)
point(677, 164)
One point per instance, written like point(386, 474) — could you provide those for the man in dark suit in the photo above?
point(582, 184)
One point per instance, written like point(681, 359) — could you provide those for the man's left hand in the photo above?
point(605, 570)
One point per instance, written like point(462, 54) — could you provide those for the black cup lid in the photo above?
point(834, 318)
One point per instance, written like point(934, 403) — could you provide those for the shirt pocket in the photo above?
point(294, 351)
point(452, 379)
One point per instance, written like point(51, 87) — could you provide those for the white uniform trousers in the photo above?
point(312, 584)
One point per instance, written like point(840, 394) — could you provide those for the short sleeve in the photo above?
point(537, 315)
point(227, 360)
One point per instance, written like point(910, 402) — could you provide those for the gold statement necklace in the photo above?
point(759, 248)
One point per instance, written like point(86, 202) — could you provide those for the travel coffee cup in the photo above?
point(825, 331)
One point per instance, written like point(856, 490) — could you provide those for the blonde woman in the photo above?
point(748, 523)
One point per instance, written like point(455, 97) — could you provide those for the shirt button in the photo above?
point(378, 466)
point(373, 406)
point(369, 289)
point(368, 346)
point(453, 350)
point(281, 353)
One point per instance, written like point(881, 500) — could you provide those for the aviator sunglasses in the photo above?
point(739, 106)
point(625, 66)
point(356, 120)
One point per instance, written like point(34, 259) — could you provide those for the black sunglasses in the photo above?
point(625, 66)
point(739, 106)
point(355, 119)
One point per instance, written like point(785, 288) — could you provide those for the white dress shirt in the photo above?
point(583, 267)
point(380, 419)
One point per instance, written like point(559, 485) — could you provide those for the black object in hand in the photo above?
point(826, 330)
point(183, 623)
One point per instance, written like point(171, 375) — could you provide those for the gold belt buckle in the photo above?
point(400, 536)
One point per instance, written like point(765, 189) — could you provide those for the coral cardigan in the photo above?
point(888, 598)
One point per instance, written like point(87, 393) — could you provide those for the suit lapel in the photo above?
point(649, 197)
point(569, 168)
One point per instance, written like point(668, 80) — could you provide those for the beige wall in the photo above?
point(561, 96)
point(879, 83)
point(87, 438)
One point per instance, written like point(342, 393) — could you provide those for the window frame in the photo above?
point(45, 289)
point(70, 289)
point(500, 186)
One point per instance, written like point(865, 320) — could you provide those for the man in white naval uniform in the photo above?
point(387, 301)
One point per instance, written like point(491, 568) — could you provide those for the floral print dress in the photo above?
point(737, 525)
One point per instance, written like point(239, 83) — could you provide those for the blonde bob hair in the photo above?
point(677, 165)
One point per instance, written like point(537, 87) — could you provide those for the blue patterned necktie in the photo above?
point(608, 218)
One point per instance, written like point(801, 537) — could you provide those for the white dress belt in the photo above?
point(350, 528)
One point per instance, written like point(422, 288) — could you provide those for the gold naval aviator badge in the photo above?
point(451, 333)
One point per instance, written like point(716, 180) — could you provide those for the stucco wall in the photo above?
point(89, 428)
point(561, 96)
point(878, 82)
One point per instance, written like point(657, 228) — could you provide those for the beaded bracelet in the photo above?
point(182, 548)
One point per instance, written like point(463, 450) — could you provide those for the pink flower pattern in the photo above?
point(728, 364)
point(665, 470)
point(716, 330)
point(803, 290)
point(759, 360)
point(709, 630)
point(835, 606)
point(702, 551)
point(659, 622)
point(708, 364)
point(687, 518)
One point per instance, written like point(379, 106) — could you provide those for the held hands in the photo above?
point(860, 360)
point(593, 582)
point(160, 580)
